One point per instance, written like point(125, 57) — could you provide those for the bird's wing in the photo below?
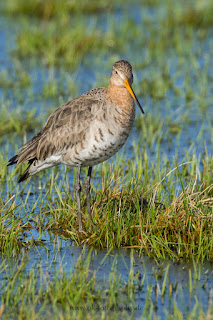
point(64, 127)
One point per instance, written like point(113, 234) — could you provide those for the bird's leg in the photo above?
point(78, 197)
point(88, 191)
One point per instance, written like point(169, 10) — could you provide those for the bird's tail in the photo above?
point(26, 173)
point(26, 153)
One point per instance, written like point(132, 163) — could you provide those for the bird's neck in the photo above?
point(120, 97)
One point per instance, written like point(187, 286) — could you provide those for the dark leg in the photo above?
point(88, 191)
point(78, 197)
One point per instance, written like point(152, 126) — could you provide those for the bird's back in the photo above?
point(64, 127)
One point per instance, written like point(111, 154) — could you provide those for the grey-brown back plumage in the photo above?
point(86, 130)
point(64, 128)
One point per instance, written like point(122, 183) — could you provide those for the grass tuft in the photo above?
point(133, 216)
point(53, 8)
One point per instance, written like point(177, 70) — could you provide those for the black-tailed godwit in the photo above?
point(84, 131)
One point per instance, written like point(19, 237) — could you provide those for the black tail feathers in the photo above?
point(13, 160)
point(25, 175)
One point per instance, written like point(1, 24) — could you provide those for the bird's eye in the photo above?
point(116, 72)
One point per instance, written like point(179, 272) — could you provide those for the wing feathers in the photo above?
point(64, 128)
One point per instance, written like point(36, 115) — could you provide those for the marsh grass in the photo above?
point(68, 40)
point(17, 121)
point(50, 9)
point(174, 220)
point(11, 227)
point(79, 294)
point(195, 13)
point(62, 43)
point(20, 79)
point(169, 216)
point(177, 219)
point(162, 209)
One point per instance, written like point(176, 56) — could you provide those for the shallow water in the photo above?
point(63, 252)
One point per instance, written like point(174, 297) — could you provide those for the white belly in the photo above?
point(103, 150)
point(101, 144)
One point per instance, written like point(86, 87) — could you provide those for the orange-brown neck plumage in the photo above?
point(120, 97)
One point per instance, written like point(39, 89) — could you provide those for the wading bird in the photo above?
point(84, 131)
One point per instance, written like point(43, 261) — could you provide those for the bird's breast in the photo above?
point(105, 135)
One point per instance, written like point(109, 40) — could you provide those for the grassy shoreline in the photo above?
point(176, 221)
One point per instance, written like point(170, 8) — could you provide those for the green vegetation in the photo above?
point(177, 220)
point(68, 39)
point(17, 121)
point(79, 295)
point(54, 8)
point(60, 42)
point(155, 198)
point(173, 223)
point(11, 228)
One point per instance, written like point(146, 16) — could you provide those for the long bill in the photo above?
point(129, 88)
